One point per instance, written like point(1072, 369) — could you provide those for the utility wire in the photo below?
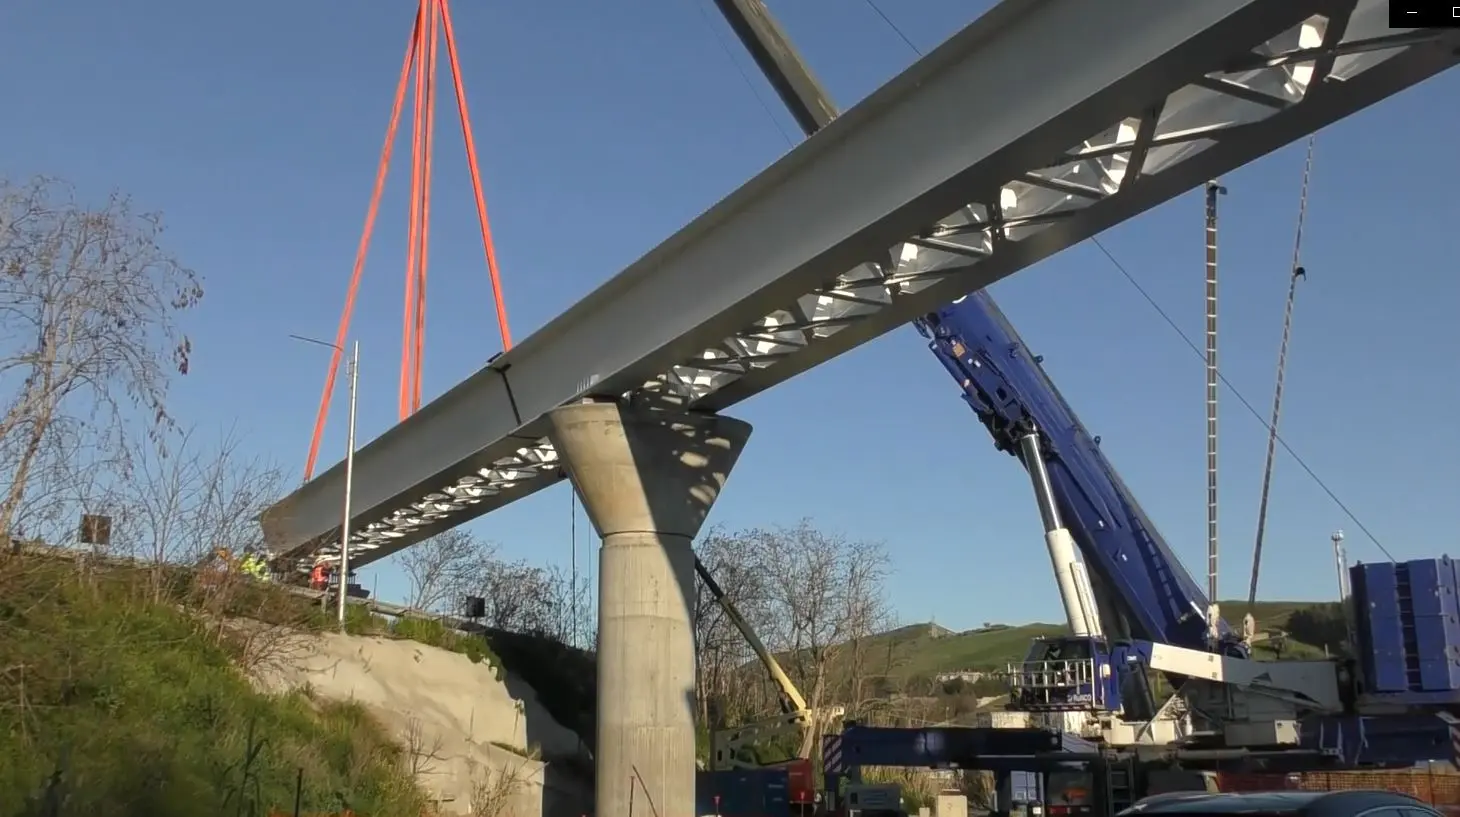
point(1270, 428)
point(1243, 400)
point(888, 20)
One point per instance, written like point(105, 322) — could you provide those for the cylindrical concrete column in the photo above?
point(647, 481)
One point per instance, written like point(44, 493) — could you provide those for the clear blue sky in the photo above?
point(604, 126)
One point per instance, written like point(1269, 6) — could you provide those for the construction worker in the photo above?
point(318, 579)
point(261, 562)
point(253, 566)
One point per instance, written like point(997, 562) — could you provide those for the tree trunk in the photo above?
point(16, 494)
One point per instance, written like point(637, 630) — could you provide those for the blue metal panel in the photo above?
point(1435, 638)
point(1435, 631)
point(1384, 662)
point(1376, 589)
point(935, 747)
point(1440, 674)
point(1454, 579)
point(1408, 627)
point(1433, 587)
point(1392, 740)
point(743, 793)
point(1387, 701)
point(1378, 628)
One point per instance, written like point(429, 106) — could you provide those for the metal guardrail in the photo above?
point(1056, 684)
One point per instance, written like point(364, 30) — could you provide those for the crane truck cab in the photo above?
point(1069, 673)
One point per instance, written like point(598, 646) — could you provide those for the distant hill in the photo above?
point(922, 650)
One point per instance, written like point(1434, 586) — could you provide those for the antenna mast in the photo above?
point(1340, 558)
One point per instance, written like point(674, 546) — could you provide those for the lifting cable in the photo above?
point(1271, 428)
point(417, 233)
point(1296, 272)
point(432, 24)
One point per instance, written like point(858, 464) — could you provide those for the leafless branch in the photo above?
point(495, 792)
point(89, 341)
point(813, 596)
point(528, 599)
point(182, 504)
point(422, 752)
point(442, 569)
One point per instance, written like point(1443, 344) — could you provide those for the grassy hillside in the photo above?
point(914, 651)
point(115, 700)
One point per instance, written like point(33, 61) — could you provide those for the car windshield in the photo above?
point(1254, 804)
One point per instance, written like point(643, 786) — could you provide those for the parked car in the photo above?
point(1282, 804)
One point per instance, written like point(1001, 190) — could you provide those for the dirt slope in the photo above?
point(463, 731)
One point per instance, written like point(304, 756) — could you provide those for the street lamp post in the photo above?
point(349, 485)
point(353, 372)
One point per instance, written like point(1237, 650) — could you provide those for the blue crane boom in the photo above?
point(1005, 385)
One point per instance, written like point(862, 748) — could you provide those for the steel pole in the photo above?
point(344, 580)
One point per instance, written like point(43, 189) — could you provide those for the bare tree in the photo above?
point(89, 341)
point(442, 569)
point(827, 595)
point(422, 751)
point(495, 792)
point(565, 616)
point(71, 475)
point(722, 651)
point(186, 499)
point(814, 597)
point(524, 598)
point(516, 594)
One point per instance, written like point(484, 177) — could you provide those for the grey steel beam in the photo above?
point(1037, 126)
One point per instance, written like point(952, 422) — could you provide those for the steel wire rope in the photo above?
point(1294, 273)
point(1270, 428)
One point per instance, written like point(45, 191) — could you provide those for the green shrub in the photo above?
point(435, 634)
point(564, 677)
point(117, 700)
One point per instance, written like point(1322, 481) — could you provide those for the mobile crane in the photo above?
point(1136, 611)
point(1133, 610)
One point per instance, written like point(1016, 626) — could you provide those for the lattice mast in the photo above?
point(1214, 614)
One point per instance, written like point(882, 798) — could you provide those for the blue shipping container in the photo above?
point(743, 793)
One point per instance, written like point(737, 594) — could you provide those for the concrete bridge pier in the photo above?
point(647, 481)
